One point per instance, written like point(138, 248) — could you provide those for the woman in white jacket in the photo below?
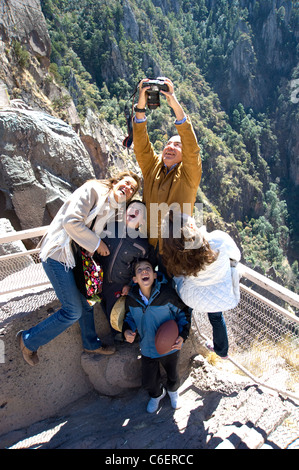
point(95, 202)
point(204, 268)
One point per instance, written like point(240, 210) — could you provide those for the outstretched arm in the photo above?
point(172, 101)
point(144, 151)
point(142, 99)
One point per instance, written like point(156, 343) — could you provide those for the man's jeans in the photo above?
point(220, 338)
point(74, 306)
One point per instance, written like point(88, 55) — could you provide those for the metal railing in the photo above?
point(263, 329)
point(21, 269)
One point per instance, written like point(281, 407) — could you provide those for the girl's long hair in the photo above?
point(181, 261)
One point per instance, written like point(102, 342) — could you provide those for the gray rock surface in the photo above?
point(218, 411)
point(42, 161)
point(30, 394)
point(25, 22)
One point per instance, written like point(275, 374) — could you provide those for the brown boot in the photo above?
point(104, 349)
point(30, 357)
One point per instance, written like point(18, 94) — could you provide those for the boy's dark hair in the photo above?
point(140, 260)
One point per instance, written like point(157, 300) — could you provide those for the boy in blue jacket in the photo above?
point(150, 302)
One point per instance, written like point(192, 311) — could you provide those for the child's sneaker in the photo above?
point(174, 396)
point(153, 404)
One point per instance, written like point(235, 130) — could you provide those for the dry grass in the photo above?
point(267, 359)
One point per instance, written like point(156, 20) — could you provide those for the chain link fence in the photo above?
point(263, 340)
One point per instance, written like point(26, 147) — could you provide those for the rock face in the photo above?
point(103, 142)
point(25, 22)
point(42, 161)
point(167, 5)
point(114, 375)
point(42, 158)
point(260, 55)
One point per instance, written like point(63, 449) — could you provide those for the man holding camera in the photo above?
point(175, 177)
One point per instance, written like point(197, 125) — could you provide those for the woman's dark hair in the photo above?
point(181, 261)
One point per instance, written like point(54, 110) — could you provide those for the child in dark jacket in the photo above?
point(127, 242)
point(151, 302)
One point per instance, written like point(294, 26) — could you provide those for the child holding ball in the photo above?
point(150, 302)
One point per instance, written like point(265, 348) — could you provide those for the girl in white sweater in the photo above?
point(98, 201)
point(204, 268)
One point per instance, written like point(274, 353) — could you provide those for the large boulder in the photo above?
point(43, 160)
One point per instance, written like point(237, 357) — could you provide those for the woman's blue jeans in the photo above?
point(74, 307)
point(220, 338)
